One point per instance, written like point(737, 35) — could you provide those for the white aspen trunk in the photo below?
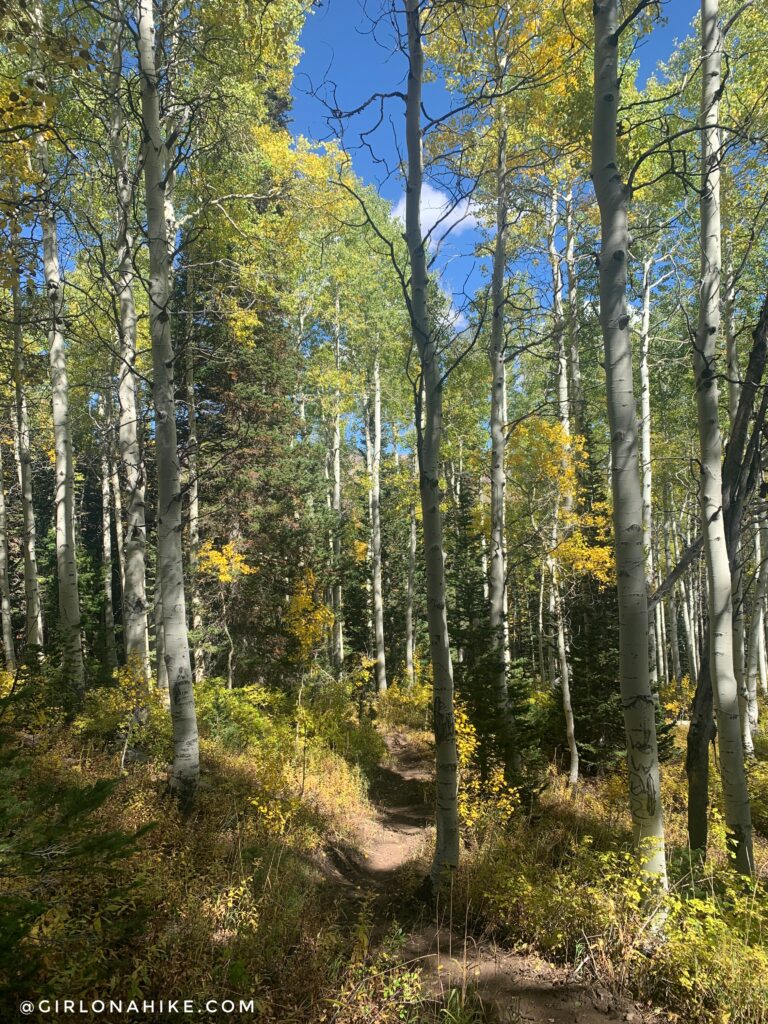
point(336, 596)
point(106, 562)
point(33, 605)
point(497, 568)
point(756, 628)
point(64, 490)
point(198, 657)
point(542, 659)
point(646, 469)
point(637, 698)
point(563, 411)
point(429, 436)
point(763, 660)
point(661, 643)
point(9, 647)
point(367, 432)
point(117, 502)
point(578, 404)
point(185, 770)
point(565, 679)
point(724, 686)
point(484, 567)
point(552, 641)
point(410, 640)
point(133, 542)
point(378, 593)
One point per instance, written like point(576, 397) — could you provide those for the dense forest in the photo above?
point(384, 511)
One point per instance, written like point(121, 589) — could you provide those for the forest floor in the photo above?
point(494, 984)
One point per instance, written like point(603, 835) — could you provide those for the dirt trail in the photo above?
point(512, 988)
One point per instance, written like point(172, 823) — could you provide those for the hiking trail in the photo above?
point(511, 988)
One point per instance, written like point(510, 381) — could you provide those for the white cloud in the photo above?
point(436, 205)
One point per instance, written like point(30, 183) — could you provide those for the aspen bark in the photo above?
point(724, 686)
point(134, 539)
point(410, 641)
point(646, 468)
point(335, 465)
point(637, 699)
point(429, 437)
point(198, 657)
point(757, 627)
point(33, 605)
point(378, 593)
point(563, 409)
point(565, 680)
point(117, 502)
point(185, 770)
point(9, 647)
point(64, 491)
point(497, 561)
point(578, 403)
point(106, 562)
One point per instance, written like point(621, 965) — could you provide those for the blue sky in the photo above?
point(342, 47)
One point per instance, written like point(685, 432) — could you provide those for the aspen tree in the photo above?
point(378, 595)
point(106, 561)
point(33, 605)
point(497, 556)
point(429, 404)
point(194, 488)
point(724, 685)
point(69, 625)
point(9, 648)
point(560, 654)
point(637, 699)
point(185, 770)
point(134, 541)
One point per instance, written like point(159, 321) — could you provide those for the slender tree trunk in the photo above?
point(757, 627)
point(646, 469)
point(378, 593)
point(134, 540)
point(336, 596)
point(674, 639)
point(724, 686)
point(9, 647)
point(763, 660)
point(701, 732)
point(429, 438)
point(557, 622)
point(410, 640)
point(737, 582)
point(64, 491)
point(578, 403)
point(565, 680)
point(686, 609)
point(198, 657)
point(117, 502)
point(33, 605)
point(497, 574)
point(185, 771)
point(161, 668)
point(637, 698)
point(542, 662)
point(106, 562)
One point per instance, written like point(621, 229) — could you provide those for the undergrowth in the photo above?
point(106, 891)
